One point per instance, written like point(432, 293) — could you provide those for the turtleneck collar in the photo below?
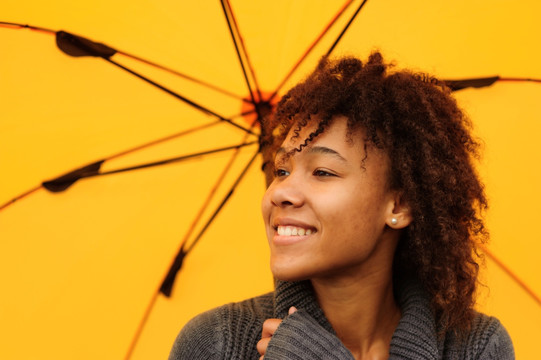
point(415, 336)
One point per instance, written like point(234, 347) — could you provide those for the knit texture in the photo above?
point(233, 330)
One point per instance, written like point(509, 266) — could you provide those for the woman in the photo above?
point(372, 219)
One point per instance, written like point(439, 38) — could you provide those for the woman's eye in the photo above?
point(322, 173)
point(280, 173)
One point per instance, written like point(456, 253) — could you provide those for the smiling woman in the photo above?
point(324, 189)
point(373, 220)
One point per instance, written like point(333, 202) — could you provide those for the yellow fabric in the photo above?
point(78, 269)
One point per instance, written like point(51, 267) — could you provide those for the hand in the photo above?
point(269, 327)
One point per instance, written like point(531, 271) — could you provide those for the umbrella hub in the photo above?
point(258, 107)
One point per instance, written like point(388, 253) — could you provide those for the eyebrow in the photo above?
point(326, 150)
point(316, 150)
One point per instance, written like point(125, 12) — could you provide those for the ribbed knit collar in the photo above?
point(414, 338)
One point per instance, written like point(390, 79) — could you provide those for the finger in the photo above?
point(292, 310)
point(269, 327)
point(262, 345)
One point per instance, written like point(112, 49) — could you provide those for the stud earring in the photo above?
point(394, 221)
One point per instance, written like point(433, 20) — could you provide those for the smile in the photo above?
point(293, 231)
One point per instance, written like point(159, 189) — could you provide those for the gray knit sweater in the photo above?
point(232, 331)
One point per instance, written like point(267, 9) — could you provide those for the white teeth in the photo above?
point(292, 231)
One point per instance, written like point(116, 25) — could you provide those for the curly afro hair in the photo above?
point(415, 120)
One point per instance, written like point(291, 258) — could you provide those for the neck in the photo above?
point(362, 311)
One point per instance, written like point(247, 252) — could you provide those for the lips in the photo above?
point(289, 230)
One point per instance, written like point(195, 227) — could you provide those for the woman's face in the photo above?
point(329, 208)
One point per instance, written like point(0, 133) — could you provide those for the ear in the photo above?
point(399, 214)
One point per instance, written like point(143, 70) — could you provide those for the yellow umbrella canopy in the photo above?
point(81, 269)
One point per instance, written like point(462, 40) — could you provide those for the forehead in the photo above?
point(336, 141)
point(336, 133)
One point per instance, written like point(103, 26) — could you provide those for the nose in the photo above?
point(287, 192)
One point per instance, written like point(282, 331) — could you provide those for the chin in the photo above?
point(288, 272)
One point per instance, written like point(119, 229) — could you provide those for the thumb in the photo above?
point(292, 310)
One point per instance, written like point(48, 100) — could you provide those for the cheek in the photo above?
point(353, 212)
point(266, 207)
point(342, 204)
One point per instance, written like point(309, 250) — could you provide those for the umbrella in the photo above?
point(81, 269)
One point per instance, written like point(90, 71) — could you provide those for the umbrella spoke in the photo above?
point(167, 284)
point(65, 181)
point(456, 85)
point(244, 113)
point(120, 154)
point(134, 57)
point(241, 53)
point(345, 28)
point(224, 201)
point(25, 26)
point(15, 199)
point(75, 45)
point(310, 48)
point(184, 76)
point(511, 274)
point(169, 280)
point(520, 79)
point(141, 326)
point(180, 97)
point(164, 139)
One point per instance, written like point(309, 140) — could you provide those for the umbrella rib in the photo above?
point(117, 155)
point(233, 30)
point(137, 58)
point(141, 326)
point(178, 159)
point(178, 96)
point(244, 50)
point(164, 139)
point(310, 48)
point(26, 26)
point(63, 182)
point(521, 79)
point(177, 263)
point(461, 84)
point(244, 113)
point(167, 284)
point(511, 274)
point(184, 76)
point(15, 199)
point(346, 28)
point(224, 201)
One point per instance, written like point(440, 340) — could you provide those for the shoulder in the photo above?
point(487, 339)
point(491, 338)
point(200, 338)
point(228, 331)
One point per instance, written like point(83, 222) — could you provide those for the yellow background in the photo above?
point(78, 269)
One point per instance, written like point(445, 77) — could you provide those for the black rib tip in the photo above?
point(63, 182)
point(169, 281)
point(75, 45)
point(456, 85)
